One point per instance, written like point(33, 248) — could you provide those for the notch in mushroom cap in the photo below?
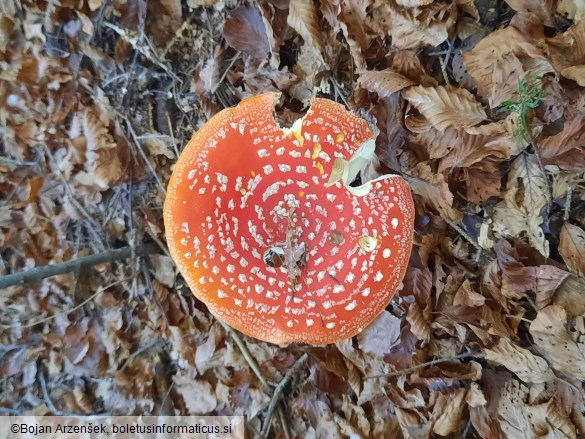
point(266, 231)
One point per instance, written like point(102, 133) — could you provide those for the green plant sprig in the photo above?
point(530, 96)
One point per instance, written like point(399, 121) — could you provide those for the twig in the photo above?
point(142, 153)
point(278, 393)
point(45, 271)
point(67, 311)
point(8, 161)
point(251, 362)
point(463, 233)
point(428, 363)
point(146, 50)
point(245, 352)
point(548, 185)
point(567, 211)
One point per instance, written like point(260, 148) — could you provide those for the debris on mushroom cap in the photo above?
point(266, 230)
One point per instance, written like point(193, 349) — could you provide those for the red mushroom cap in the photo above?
point(264, 227)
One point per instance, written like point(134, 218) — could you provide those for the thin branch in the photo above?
point(278, 394)
point(45, 271)
point(251, 362)
point(428, 363)
point(245, 352)
point(463, 233)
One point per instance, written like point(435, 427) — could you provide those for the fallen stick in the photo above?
point(45, 271)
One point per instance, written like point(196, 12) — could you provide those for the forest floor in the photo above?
point(480, 106)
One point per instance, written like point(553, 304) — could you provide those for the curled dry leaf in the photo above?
point(379, 338)
point(446, 107)
point(511, 219)
point(525, 169)
point(572, 9)
point(303, 16)
point(567, 148)
point(450, 413)
point(385, 82)
point(572, 248)
point(512, 410)
point(434, 191)
point(527, 366)
point(565, 351)
point(244, 30)
point(547, 421)
point(500, 61)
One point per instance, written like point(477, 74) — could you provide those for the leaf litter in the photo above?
point(480, 106)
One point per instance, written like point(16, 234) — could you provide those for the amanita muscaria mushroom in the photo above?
point(266, 230)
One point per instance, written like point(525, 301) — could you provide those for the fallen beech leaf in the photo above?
point(564, 350)
point(198, 395)
point(525, 168)
point(572, 9)
point(512, 410)
point(474, 396)
point(446, 107)
point(543, 9)
point(491, 60)
point(352, 19)
point(565, 149)
point(434, 190)
point(378, 338)
point(512, 220)
point(412, 28)
point(547, 421)
point(569, 295)
point(576, 73)
point(572, 248)
point(528, 367)
point(450, 413)
point(385, 82)
point(303, 16)
point(244, 30)
point(164, 269)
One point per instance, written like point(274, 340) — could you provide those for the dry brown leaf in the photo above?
point(434, 190)
point(198, 395)
point(353, 20)
point(512, 220)
point(572, 248)
point(458, 149)
point(412, 28)
point(576, 73)
point(449, 416)
point(564, 350)
point(543, 9)
point(244, 30)
point(303, 16)
point(535, 193)
point(491, 59)
point(418, 319)
point(446, 107)
point(512, 411)
point(466, 296)
point(379, 338)
point(475, 397)
point(565, 149)
point(385, 82)
point(528, 367)
point(572, 9)
point(547, 421)
point(164, 269)
point(569, 295)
